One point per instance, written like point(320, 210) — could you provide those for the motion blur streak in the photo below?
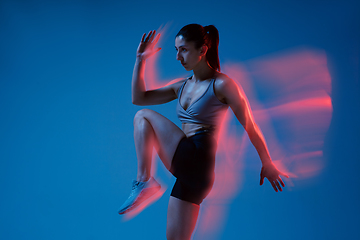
point(151, 71)
point(136, 211)
point(289, 94)
point(144, 205)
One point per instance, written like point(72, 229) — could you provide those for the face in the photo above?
point(187, 54)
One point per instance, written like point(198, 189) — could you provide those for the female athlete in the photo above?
point(188, 153)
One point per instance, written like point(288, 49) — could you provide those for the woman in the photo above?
point(188, 153)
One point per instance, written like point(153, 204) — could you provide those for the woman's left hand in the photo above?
point(270, 172)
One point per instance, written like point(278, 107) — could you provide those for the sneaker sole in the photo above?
point(147, 194)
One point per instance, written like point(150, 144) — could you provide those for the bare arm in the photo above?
point(140, 96)
point(230, 93)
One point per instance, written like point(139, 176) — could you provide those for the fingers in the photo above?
point(149, 37)
point(157, 38)
point(274, 178)
point(152, 36)
point(285, 175)
point(143, 37)
point(278, 186)
point(153, 40)
point(273, 185)
point(281, 181)
point(261, 177)
point(158, 49)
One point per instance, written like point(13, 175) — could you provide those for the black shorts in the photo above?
point(193, 166)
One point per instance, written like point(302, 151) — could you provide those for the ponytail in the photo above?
point(212, 54)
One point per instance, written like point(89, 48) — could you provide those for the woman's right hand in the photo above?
point(146, 46)
point(270, 172)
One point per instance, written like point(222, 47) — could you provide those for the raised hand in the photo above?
point(147, 43)
point(270, 172)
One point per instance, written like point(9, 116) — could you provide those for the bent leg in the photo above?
point(181, 219)
point(151, 129)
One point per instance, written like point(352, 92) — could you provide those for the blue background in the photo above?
point(66, 143)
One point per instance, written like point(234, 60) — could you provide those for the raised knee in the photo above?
point(141, 115)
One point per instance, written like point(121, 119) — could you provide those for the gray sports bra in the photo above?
point(207, 109)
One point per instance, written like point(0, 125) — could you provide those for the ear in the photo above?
point(203, 50)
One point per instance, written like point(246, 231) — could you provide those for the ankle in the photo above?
point(142, 178)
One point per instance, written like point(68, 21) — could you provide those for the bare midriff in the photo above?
point(191, 128)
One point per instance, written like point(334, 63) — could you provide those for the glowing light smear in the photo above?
point(151, 72)
point(289, 94)
point(130, 215)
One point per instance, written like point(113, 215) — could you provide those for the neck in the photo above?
point(203, 71)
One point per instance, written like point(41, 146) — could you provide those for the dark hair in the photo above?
point(208, 36)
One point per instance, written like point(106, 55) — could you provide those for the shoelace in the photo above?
point(135, 185)
point(133, 189)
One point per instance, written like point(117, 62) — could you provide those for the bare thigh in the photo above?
point(181, 219)
point(167, 134)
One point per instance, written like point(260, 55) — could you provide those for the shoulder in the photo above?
point(177, 81)
point(224, 86)
point(176, 84)
point(223, 81)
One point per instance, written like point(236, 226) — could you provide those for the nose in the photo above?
point(178, 56)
